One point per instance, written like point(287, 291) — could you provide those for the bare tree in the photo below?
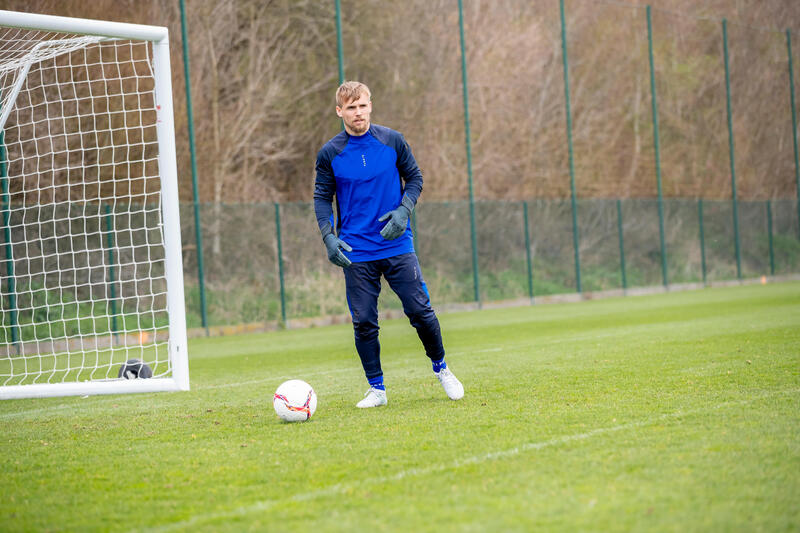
point(264, 72)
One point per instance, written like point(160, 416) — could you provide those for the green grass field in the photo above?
point(671, 412)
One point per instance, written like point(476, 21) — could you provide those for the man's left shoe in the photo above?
point(450, 383)
point(372, 398)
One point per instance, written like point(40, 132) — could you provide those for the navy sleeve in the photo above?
point(324, 189)
point(409, 171)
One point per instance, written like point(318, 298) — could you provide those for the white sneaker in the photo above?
point(373, 398)
point(450, 383)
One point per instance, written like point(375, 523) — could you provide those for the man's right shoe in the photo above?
point(450, 383)
point(373, 398)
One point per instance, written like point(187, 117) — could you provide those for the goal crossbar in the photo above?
point(119, 30)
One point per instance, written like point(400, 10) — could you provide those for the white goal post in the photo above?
point(91, 270)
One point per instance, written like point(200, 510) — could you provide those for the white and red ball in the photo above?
point(295, 401)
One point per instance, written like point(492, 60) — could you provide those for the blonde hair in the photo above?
point(349, 91)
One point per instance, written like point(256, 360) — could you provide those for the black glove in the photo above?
point(335, 245)
point(398, 219)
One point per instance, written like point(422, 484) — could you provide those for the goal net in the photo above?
point(90, 252)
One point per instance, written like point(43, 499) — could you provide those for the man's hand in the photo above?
point(398, 219)
point(335, 245)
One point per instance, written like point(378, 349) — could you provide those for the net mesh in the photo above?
point(82, 259)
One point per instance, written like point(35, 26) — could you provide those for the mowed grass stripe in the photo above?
point(344, 488)
point(663, 400)
point(542, 344)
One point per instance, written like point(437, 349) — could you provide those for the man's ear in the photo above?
point(338, 111)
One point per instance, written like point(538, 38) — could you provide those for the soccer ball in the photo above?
point(135, 368)
point(295, 401)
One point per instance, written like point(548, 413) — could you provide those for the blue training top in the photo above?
point(364, 172)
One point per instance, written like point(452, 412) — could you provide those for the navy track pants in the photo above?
point(363, 283)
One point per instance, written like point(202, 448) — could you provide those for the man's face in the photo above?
point(355, 115)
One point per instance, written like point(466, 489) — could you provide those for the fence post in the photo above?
point(794, 127)
point(111, 277)
point(12, 289)
point(195, 202)
point(621, 246)
point(528, 249)
point(731, 150)
point(473, 230)
point(339, 46)
point(769, 232)
point(702, 238)
point(657, 148)
point(280, 261)
point(565, 62)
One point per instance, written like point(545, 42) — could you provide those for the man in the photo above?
point(376, 181)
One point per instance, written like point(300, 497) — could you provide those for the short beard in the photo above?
point(359, 130)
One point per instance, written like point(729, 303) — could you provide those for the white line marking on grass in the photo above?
point(276, 378)
point(350, 369)
point(302, 373)
point(409, 358)
point(36, 411)
point(341, 488)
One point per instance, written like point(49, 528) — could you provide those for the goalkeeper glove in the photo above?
point(398, 219)
point(335, 245)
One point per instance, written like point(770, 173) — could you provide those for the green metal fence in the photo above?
point(266, 262)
